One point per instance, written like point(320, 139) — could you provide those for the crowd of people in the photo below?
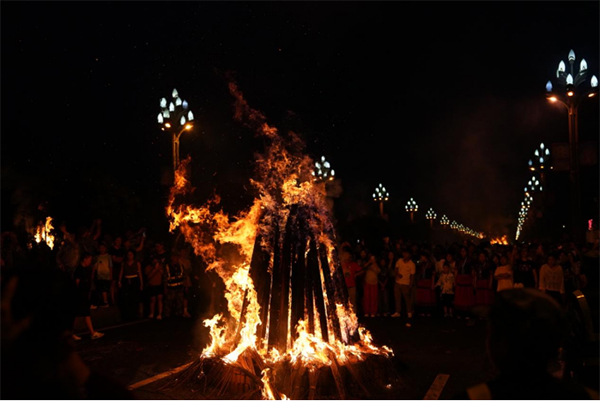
point(141, 278)
point(402, 278)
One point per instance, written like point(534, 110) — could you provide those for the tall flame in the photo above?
point(499, 241)
point(43, 233)
point(283, 181)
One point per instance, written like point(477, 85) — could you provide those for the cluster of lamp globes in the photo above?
point(323, 171)
point(175, 112)
point(569, 82)
point(523, 213)
point(542, 158)
point(461, 228)
point(381, 194)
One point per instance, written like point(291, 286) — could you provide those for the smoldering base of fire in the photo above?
point(374, 377)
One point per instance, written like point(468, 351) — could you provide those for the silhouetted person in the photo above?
point(526, 328)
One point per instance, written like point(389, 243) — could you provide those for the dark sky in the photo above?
point(440, 101)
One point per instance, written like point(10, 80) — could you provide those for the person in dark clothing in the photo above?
point(525, 271)
point(39, 360)
point(526, 329)
point(83, 283)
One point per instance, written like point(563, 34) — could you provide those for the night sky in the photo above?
point(440, 101)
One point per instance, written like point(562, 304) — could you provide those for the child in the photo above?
point(446, 282)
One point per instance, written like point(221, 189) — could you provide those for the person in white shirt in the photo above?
point(405, 276)
point(552, 279)
point(504, 275)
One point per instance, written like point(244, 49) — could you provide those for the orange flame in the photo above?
point(284, 180)
point(499, 241)
point(43, 233)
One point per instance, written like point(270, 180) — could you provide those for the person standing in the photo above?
point(446, 284)
point(174, 290)
point(83, 282)
point(464, 298)
point(154, 275)
point(504, 275)
point(525, 272)
point(484, 269)
point(104, 273)
point(371, 283)
point(405, 276)
point(425, 280)
point(350, 269)
point(552, 280)
point(131, 283)
point(117, 253)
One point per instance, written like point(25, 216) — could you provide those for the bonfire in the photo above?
point(289, 330)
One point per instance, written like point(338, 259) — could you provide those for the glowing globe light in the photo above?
point(569, 79)
point(547, 152)
point(541, 160)
point(166, 113)
point(561, 66)
point(571, 55)
point(548, 86)
point(185, 104)
point(163, 103)
point(182, 120)
point(190, 116)
point(594, 82)
point(178, 102)
point(583, 65)
point(175, 94)
point(160, 118)
point(537, 153)
point(171, 107)
point(530, 162)
point(542, 145)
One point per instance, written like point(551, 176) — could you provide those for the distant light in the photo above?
point(175, 93)
point(182, 121)
point(190, 116)
point(332, 172)
point(571, 55)
point(537, 153)
point(570, 93)
point(552, 99)
point(160, 118)
point(185, 104)
point(327, 165)
point(549, 86)
point(569, 79)
point(318, 165)
point(178, 102)
point(561, 66)
point(542, 145)
point(166, 113)
point(547, 152)
point(171, 107)
point(322, 158)
point(163, 103)
point(189, 126)
point(530, 162)
point(594, 81)
point(592, 94)
point(583, 65)
point(541, 159)
point(168, 125)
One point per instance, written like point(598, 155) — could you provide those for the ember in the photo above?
point(289, 329)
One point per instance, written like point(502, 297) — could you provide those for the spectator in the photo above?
point(117, 253)
point(131, 283)
point(405, 277)
point(154, 275)
point(525, 332)
point(552, 280)
point(485, 275)
point(425, 280)
point(104, 273)
point(446, 284)
point(525, 272)
point(174, 296)
point(350, 269)
point(371, 284)
point(464, 273)
point(83, 283)
point(385, 281)
point(504, 275)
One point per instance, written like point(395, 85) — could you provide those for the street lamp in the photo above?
point(533, 185)
point(411, 207)
point(323, 171)
point(381, 195)
point(444, 221)
point(570, 89)
point(175, 118)
point(430, 215)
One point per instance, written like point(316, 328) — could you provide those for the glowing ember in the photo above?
point(286, 301)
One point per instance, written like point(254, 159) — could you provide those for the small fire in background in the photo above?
point(43, 232)
point(499, 241)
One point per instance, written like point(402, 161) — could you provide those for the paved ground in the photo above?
point(430, 347)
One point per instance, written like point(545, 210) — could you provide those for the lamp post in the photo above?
point(430, 215)
point(570, 89)
point(323, 171)
point(444, 221)
point(411, 207)
point(381, 195)
point(175, 118)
